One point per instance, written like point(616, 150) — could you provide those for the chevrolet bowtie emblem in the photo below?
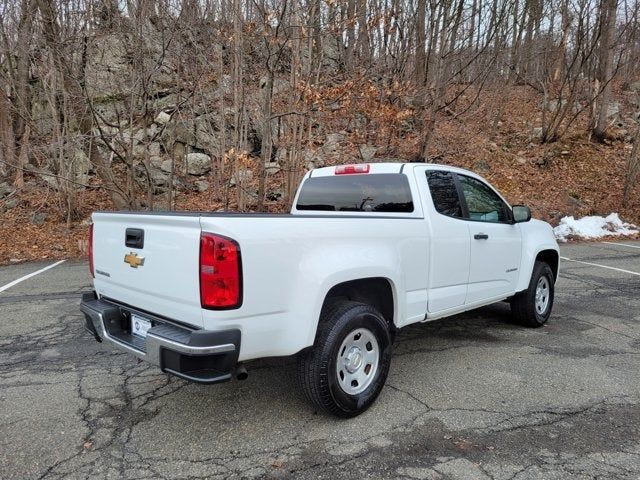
point(134, 260)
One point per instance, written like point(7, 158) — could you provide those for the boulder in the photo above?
point(162, 118)
point(198, 163)
point(333, 141)
point(555, 104)
point(48, 177)
point(244, 175)
point(271, 168)
point(11, 203)
point(536, 133)
point(202, 185)
point(159, 180)
point(226, 83)
point(154, 149)
point(166, 165)
point(314, 158)
point(613, 109)
point(5, 189)
point(156, 161)
point(166, 102)
point(38, 218)
point(367, 152)
point(281, 156)
point(81, 166)
point(482, 166)
point(192, 132)
point(152, 130)
point(138, 135)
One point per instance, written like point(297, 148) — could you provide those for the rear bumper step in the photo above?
point(200, 356)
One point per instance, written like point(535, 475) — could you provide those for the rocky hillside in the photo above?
point(166, 127)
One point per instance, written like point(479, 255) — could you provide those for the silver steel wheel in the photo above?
point(357, 361)
point(542, 295)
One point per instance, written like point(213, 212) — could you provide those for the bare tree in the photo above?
point(608, 10)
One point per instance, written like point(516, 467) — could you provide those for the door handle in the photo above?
point(481, 236)
point(134, 238)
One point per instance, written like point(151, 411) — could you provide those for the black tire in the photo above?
point(317, 367)
point(523, 304)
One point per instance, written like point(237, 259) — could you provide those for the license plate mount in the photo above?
point(139, 325)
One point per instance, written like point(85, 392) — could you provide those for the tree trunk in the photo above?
point(238, 96)
point(266, 146)
point(633, 168)
point(421, 67)
point(351, 34)
point(608, 10)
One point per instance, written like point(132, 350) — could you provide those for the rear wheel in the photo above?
point(347, 367)
point(532, 307)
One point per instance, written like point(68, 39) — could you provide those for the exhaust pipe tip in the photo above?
point(241, 372)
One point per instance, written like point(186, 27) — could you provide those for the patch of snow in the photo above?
point(593, 227)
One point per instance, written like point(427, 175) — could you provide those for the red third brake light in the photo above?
point(220, 272)
point(351, 169)
point(90, 251)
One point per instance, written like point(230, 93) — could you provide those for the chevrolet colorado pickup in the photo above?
point(366, 249)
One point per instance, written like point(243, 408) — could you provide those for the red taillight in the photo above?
point(220, 274)
point(90, 251)
point(351, 169)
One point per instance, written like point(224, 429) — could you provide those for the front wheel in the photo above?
point(532, 307)
point(347, 367)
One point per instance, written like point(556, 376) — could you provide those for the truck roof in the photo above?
point(385, 167)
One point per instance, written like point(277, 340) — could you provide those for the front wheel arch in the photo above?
point(551, 258)
point(523, 304)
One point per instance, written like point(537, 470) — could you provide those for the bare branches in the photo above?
point(136, 87)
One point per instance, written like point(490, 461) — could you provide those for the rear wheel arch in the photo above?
point(378, 292)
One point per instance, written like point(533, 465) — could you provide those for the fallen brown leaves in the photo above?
point(571, 177)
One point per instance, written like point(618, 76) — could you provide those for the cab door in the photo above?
point(449, 249)
point(495, 242)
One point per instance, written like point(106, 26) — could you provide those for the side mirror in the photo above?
point(521, 213)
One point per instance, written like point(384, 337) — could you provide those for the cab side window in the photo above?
point(444, 193)
point(483, 204)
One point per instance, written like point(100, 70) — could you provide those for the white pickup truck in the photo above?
point(367, 249)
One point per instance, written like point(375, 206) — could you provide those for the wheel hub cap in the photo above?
point(542, 295)
point(353, 359)
point(357, 362)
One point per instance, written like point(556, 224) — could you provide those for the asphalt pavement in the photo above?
point(470, 397)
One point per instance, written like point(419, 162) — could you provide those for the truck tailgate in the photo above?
point(160, 273)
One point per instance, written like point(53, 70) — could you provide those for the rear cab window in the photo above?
point(378, 192)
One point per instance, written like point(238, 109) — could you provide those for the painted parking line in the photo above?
point(601, 266)
point(33, 274)
point(622, 244)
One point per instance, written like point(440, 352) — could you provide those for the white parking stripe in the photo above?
point(623, 244)
point(601, 266)
point(22, 279)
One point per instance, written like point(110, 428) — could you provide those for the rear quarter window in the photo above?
point(381, 192)
point(444, 193)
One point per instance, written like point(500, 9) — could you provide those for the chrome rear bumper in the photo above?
point(197, 355)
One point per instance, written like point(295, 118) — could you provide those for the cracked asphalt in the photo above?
point(469, 397)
